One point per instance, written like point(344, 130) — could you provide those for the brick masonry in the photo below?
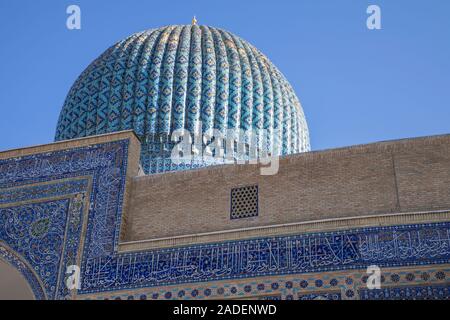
point(409, 175)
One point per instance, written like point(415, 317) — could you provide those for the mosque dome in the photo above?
point(192, 77)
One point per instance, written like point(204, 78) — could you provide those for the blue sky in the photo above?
point(356, 85)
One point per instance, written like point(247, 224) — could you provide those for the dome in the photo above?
point(193, 77)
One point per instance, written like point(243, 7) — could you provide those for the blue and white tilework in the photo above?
point(192, 77)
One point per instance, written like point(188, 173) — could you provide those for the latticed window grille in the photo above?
point(244, 202)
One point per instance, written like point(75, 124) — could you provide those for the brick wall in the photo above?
point(387, 177)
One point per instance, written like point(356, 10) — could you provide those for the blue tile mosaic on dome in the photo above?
point(52, 215)
point(192, 77)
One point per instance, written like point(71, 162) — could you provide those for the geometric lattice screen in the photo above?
point(244, 202)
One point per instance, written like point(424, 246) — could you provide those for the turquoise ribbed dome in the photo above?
point(192, 77)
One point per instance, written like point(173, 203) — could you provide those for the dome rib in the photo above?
point(223, 71)
point(140, 93)
point(180, 83)
point(194, 81)
point(209, 74)
point(128, 82)
point(277, 108)
point(104, 88)
point(166, 81)
point(246, 84)
point(267, 99)
point(256, 85)
point(116, 85)
point(149, 85)
point(101, 104)
point(234, 89)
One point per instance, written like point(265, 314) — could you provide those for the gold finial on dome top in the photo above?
point(194, 21)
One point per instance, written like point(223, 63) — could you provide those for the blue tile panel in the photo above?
point(193, 77)
point(41, 224)
point(36, 232)
point(351, 249)
point(437, 292)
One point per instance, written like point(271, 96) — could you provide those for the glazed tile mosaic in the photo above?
point(352, 249)
point(65, 207)
point(192, 77)
point(411, 293)
point(47, 234)
point(343, 285)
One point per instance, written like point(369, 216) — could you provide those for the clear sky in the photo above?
point(356, 85)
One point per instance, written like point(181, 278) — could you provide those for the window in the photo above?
point(244, 202)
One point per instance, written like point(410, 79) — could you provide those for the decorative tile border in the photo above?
point(389, 246)
point(287, 229)
point(441, 292)
point(342, 285)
